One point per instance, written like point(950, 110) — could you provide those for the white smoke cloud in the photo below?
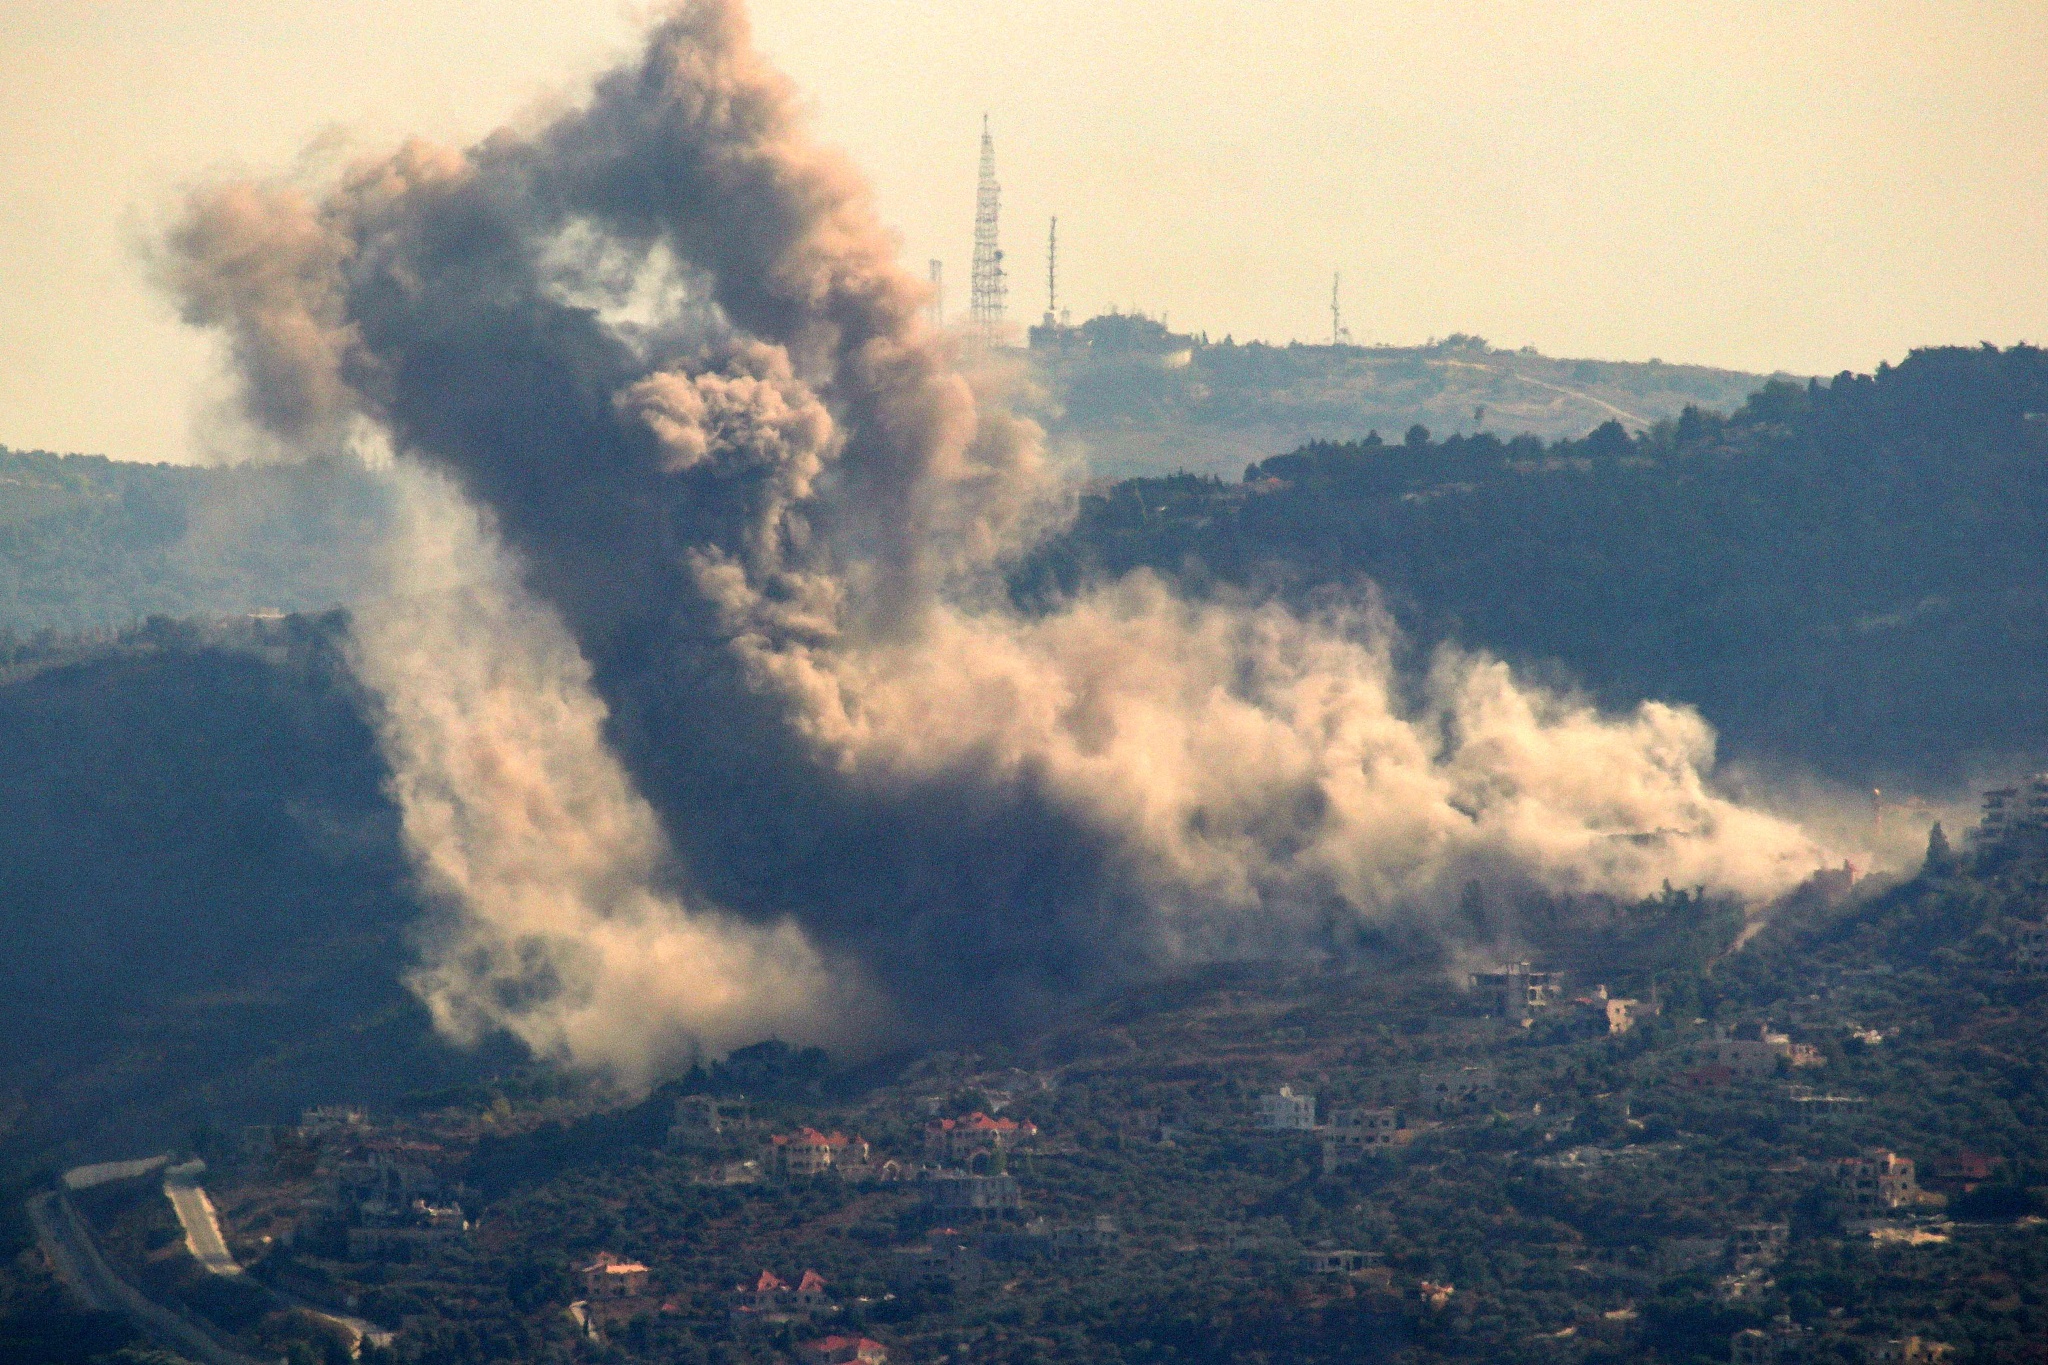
point(568, 931)
point(1256, 768)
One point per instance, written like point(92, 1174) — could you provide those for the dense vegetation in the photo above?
point(1848, 576)
point(205, 909)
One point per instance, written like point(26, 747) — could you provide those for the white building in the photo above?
point(1285, 1112)
point(2011, 810)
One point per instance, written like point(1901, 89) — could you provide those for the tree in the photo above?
point(1941, 860)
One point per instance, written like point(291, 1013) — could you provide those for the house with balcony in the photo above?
point(808, 1152)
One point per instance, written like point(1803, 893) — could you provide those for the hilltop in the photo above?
point(1135, 399)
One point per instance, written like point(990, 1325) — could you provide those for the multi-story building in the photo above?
point(1443, 1093)
point(702, 1117)
point(810, 1152)
point(1353, 1133)
point(1755, 1245)
point(2009, 811)
point(1755, 1054)
point(772, 1299)
point(947, 1258)
point(961, 1140)
point(954, 1192)
point(1517, 990)
point(610, 1276)
point(1341, 1262)
point(1875, 1183)
point(1284, 1112)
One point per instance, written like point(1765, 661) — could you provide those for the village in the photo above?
point(1290, 1134)
point(971, 1192)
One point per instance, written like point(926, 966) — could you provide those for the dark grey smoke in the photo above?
point(665, 342)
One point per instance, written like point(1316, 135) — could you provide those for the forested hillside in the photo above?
point(87, 542)
point(1849, 576)
point(205, 908)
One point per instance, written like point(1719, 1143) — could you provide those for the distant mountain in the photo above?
point(1135, 399)
point(91, 543)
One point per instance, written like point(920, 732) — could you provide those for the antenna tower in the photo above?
point(985, 307)
point(1339, 335)
point(1052, 270)
point(935, 311)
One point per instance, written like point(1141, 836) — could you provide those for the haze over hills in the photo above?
point(87, 543)
point(1844, 577)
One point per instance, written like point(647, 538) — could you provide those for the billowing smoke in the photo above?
point(569, 927)
point(753, 504)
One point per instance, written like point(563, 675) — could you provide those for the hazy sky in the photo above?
point(1764, 185)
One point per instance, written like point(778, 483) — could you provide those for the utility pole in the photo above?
point(985, 308)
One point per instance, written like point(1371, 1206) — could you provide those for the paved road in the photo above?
point(76, 1260)
point(202, 1228)
point(77, 1270)
point(85, 1177)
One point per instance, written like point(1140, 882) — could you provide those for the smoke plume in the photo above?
point(569, 928)
point(754, 516)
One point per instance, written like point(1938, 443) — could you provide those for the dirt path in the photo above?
point(1623, 413)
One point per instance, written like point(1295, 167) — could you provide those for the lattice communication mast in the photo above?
point(1052, 270)
point(985, 307)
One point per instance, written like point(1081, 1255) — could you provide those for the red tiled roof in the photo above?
point(812, 1283)
point(978, 1122)
point(770, 1283)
